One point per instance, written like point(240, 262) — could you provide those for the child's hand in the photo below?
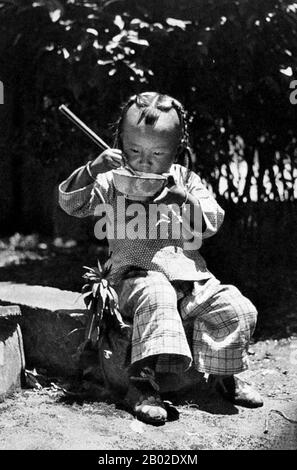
point(110, 159)
point(172, 193)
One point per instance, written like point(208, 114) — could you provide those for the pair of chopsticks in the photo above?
point(91, 134)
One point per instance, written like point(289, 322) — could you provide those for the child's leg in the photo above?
point(158, 340)
point(158, 333)
point(223, 323)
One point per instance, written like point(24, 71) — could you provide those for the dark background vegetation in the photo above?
point(230, 63)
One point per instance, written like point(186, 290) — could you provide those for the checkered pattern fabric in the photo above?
point(219, 321)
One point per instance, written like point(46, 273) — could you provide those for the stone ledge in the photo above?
point(52, 324)
point(12, 361)
point(10, 311)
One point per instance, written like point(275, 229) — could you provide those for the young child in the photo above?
point(162, 282)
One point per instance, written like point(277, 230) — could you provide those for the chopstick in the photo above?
point(93, 136)
point(79, 123)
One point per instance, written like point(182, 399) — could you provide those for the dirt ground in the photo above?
point(43, 419)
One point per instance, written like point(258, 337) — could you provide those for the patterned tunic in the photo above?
point(177, 258)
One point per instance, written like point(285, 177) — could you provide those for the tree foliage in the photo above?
point(230, 62)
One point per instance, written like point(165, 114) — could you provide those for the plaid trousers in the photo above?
point(218, 319)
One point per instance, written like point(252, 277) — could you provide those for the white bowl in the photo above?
point(139, 187)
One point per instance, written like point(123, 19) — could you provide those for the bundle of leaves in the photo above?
point(101, 301)
point(105, 351)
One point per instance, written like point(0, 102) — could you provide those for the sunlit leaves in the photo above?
point(101, 299)
point(177, 23)
point(230, 62)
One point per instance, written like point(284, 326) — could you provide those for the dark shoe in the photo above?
point(144, 399)
point(236, 390)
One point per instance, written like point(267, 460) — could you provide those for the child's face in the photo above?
point(151, 148)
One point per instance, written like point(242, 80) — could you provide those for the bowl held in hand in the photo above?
point(139, 187)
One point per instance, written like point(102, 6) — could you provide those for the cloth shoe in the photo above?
point(144, 399)
point(237, 391)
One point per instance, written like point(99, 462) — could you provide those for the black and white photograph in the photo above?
point(148, 219)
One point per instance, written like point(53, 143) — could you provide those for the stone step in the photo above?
point(52, 325)
point(12, 360)
point(10, 311)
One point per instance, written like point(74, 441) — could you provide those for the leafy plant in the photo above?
point(101, 300)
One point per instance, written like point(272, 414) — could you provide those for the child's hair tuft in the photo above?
point(151, 105)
